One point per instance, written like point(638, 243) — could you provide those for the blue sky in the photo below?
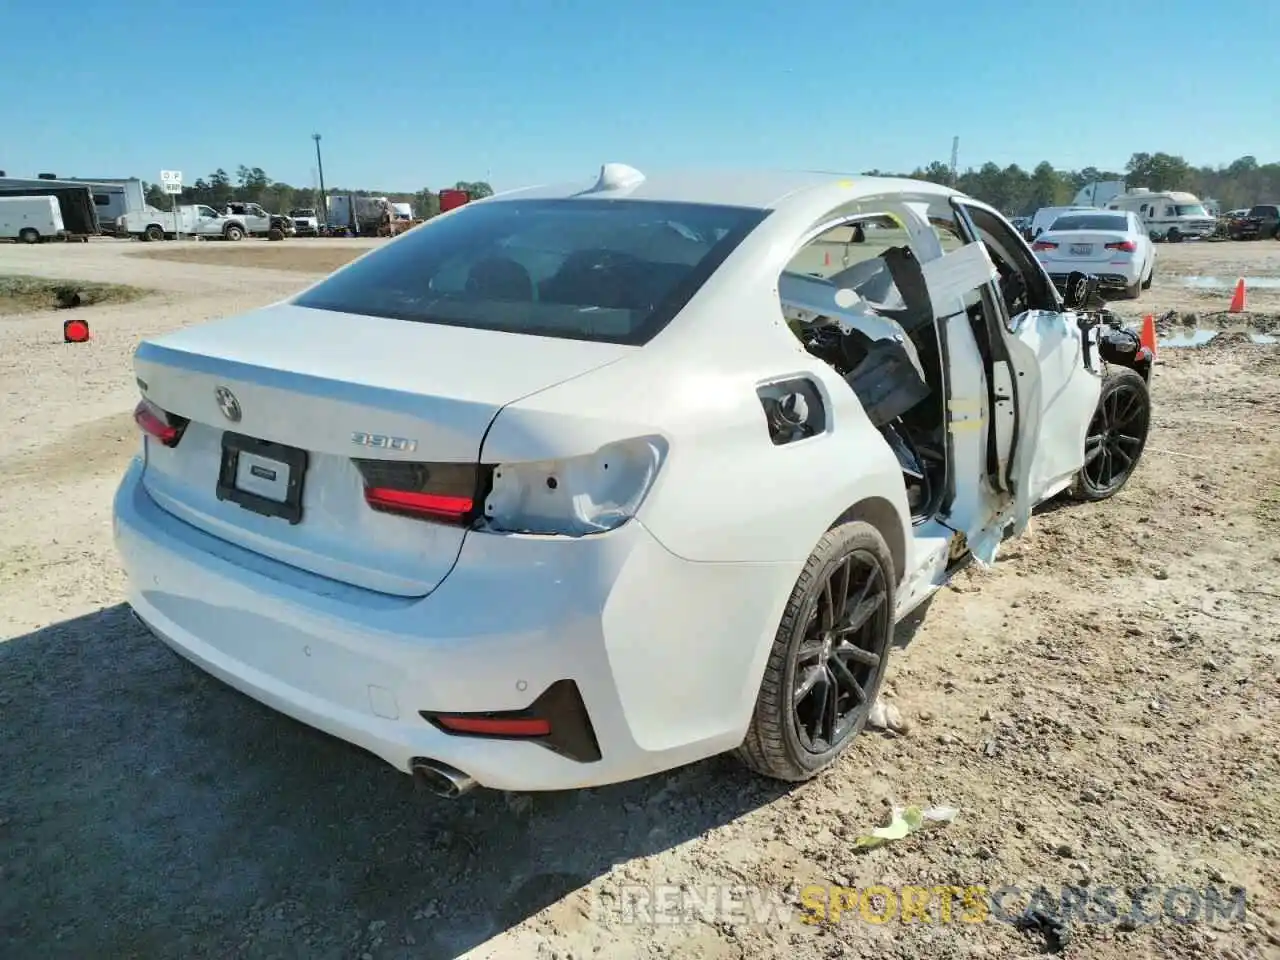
point(525, 91)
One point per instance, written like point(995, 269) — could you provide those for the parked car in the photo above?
point(1262, 221)
point(613, 476)
point(1109, 244)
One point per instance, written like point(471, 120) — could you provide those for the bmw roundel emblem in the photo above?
point(228, 404)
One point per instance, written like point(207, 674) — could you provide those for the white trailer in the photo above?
point(31, 219)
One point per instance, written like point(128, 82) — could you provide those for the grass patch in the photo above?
point(28, 294)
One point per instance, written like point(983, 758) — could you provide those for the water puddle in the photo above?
point(1199, 336)
point(1218, 283)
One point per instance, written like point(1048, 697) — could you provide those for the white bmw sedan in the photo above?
point(1110, 244)
point(579, 483)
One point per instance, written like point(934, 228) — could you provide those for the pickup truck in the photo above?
point(258, 223)
point(1262, 220)
point(195, 220)
point(239, 220)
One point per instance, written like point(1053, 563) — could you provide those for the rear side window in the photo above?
point(615, 271)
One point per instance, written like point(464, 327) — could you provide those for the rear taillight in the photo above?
point(443, 492)
point(1127, 246)
point(166, 428)
point(1044, 245)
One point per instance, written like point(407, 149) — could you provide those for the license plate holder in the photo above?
point(262, 458)
point(1081, 249)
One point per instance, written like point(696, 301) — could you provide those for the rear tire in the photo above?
point(154, 232)
point(1134, 291)
point(828, 658)
point(233, 233)
point(29, 235)
point(1116, 437)
point(1146, 284)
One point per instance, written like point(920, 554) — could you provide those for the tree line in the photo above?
point(1019, 192)
point(1012, 189)
point(252, 185)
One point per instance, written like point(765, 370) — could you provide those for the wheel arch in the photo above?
point(884, 516)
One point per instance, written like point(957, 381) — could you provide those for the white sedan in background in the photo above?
point(1110, 244)
point(584, 482)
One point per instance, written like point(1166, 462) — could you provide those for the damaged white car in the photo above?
point(576, 484)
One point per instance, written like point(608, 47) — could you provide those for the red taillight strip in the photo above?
point(420, 504)
point(155, 423)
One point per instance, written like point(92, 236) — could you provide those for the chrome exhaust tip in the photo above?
point(441, 779)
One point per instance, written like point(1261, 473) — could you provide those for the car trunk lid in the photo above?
point(280, 404)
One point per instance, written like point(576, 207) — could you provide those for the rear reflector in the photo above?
point(158, 424)
point(442, 492)
point(496, 727)
point(557, 720)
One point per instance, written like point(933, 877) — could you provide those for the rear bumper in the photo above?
point(667, 654)
point(1110, 276)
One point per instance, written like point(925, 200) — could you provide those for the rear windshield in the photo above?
point(1094, 221)
point(609, 270)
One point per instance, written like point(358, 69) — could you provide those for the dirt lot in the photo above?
point(306, 255)
point(1099, 706)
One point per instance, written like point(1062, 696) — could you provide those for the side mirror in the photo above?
point(1081, 291)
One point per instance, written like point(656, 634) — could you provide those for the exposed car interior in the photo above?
point(883, 343)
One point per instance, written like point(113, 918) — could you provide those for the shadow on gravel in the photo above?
point(147, 810)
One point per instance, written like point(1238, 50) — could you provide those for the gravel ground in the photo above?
point(1098, 705)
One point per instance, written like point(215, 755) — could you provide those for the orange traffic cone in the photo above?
point(1148, 336)
point(1237, 299)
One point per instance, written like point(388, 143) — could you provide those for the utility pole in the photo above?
point(324, 199)
point(955, 159)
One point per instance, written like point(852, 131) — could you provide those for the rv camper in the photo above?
point(1167, 214)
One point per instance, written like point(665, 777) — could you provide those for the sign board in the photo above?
point(171, 176)
point(172, 186)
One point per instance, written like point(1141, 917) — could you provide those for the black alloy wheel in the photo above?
point(828, 659)
point(839, 658)
point(1116, 437)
